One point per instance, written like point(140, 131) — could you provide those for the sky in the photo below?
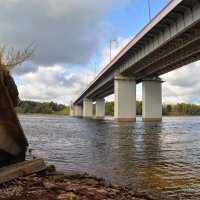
point(73, 38)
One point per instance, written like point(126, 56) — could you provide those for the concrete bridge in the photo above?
point(169, 41)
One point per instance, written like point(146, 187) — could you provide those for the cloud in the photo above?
point(71, 33)
point(65, 31)
point(182, 85)
point(116, 46)
point(59, 84)
point(52, 83)
point(25, 68)
point(68, 35)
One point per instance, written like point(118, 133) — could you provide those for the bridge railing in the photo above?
point(128, 44)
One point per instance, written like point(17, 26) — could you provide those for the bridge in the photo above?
point(169, 41)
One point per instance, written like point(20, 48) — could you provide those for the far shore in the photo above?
point(57, 114)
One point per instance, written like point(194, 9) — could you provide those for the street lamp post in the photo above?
point(111, 48)
point(95, 69)
point(86, 79)
point(149, 6)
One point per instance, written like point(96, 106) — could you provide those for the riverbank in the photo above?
point(107, 116)
point(143, 155)
point(56, 186)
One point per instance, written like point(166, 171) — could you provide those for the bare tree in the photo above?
point(14, 58)
point(7, 63)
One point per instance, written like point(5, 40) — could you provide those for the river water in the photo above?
point(160, 158)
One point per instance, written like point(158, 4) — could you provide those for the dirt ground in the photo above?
point(59, 186)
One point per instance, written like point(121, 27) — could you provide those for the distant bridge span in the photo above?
point(169, 41)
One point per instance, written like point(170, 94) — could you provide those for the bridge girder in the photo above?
point(171, 43)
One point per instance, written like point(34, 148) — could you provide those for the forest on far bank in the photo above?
point(32, 107)
point(179, 109)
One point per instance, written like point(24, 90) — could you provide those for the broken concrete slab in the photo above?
point(21, 169)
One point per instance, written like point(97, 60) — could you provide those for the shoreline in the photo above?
point(42, 114)
point(52, 185)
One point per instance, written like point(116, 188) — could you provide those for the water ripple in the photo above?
point(162, 158)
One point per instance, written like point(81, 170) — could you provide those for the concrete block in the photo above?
point(21, 169)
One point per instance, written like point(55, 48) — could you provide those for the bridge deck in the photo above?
point(169, 41)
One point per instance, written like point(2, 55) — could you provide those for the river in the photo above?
point(160, 158)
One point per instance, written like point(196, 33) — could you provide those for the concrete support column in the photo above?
point(100, 108)
point(152, 100)
point(71, 111)
point(87, 108)
point(78, 111)
point(125, 99)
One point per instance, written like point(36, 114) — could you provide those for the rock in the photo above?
point(82, 192)
point(13, 142)
point(67, 196)
point(62, 186)
point(68, 183)
point(112, 193)
point(102, 191)
point(36, 179)
point(49, 185)
point(90, 181)
point(115, 191)
point(73, 188)
point(11, 191)
point(113, 186)
point(12, 88)
point(51, 168)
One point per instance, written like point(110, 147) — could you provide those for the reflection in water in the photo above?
point(162, 158)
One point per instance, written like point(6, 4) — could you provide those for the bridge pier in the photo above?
point(87, 108)
point(151, 100)
point(71, 111)
point(100, 108)
point(125, 99)
point(78, 111)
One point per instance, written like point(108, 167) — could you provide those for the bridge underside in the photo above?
point(180, 51)
point(170, 41)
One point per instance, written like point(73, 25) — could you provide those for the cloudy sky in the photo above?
point(71, 36)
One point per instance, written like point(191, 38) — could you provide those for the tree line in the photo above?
point(55, 108)
point(181, 109)
point(109, 108)
point(44, 107)
point(167, 109)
